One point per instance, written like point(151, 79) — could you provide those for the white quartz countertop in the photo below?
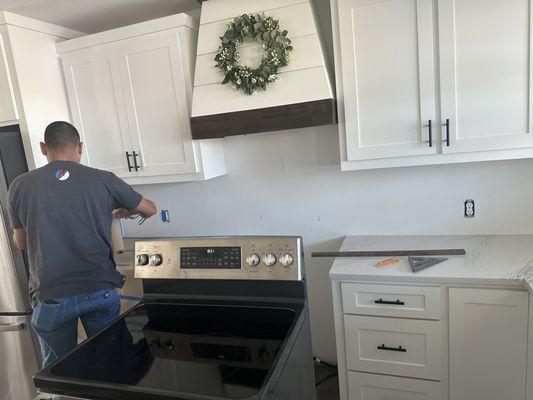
point(491, 259)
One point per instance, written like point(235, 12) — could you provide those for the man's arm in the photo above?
point(19, 237)
point(145, 209)
point(129, 202)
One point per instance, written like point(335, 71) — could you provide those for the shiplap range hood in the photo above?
point(303, 95)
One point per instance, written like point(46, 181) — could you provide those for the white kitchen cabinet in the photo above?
point(154, 84)
point(380, 387)
point(488, 342)
point(388, 82)
point(394, 346)
point(485, 72)
point(8, 106)
point(98, 108)
point(32, 89)
point(130, 93)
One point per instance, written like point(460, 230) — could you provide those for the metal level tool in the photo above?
point(420, 263)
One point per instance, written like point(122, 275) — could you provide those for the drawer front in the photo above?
point(394, 346)
point(392, 301)
point(379, 387)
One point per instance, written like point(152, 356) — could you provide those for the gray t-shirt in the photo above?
point(66, 211)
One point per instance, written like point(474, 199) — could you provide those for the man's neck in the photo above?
point(62, 157)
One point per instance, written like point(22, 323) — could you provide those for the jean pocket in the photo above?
point(103, 299)
point(47, 317)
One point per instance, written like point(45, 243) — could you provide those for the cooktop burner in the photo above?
point(210, 350)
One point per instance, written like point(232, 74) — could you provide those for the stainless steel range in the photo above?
point(222, 318)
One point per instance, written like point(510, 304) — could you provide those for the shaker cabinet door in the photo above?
point(388, 77)
point(485, 69)
point(488, 344)
point(98, 110)
point(157, 104)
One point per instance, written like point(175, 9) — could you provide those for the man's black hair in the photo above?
point(61, 135)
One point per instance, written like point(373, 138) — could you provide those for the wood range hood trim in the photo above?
point(290, 116)
point(283, 108)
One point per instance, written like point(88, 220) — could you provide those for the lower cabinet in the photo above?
point(488, 344)
point(476, 351)
point(394, 346)
point(381, 387)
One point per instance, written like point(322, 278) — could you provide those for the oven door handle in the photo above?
point(12, 327)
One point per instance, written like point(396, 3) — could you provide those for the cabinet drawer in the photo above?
point(379, 387)
point(392, 301)
point(393, 346)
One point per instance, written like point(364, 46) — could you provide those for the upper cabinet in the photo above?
point(130, 95)
point(98, 110)
point(412, 94)
point(388, 81)
point(485, 71)
point(32, 92)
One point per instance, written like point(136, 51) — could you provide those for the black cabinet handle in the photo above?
point(430, 133)
point(128, 155)
point(447, 124)
point(394, 303)
point(135, 165)
point(399, 349)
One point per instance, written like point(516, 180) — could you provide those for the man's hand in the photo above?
point(19, 237)
point(123, 213)
point(145, 209)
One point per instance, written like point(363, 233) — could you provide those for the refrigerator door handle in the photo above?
point(18, 326)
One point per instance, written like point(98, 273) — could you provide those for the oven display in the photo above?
point(210, 258)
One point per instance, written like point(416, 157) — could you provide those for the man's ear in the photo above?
point(80, 148)
point(44, 150)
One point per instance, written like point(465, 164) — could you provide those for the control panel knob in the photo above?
point(269, 259)
point(142, 259)
point(286, 260)
point(156, 259)
point(253, 259)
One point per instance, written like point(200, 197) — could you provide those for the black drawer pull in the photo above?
point(447, 125)
point(399, 348)
point(135, 165)
point(128, 155)
point(394, 303)
point(430, 133)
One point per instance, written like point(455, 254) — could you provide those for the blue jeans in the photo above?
point(56, 321)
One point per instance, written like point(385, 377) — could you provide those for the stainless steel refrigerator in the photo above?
point(19, 359)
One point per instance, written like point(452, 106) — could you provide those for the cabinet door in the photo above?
point(97, 107)
point(157, 103)
point(488, 344)
point(486, 70)
point(380, 387)
point(8, 108)
point(388, 77)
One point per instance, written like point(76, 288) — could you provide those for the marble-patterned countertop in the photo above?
point(491, 259)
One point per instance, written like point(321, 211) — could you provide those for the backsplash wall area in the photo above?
point(290, 183)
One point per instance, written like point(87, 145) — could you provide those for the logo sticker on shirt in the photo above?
point(62, 174)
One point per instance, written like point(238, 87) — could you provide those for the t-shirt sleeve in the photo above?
point(123, 194)
point(14, 218)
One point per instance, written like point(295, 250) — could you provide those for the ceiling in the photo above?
point(90, 16)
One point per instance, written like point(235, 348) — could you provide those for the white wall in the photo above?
point(291, 183)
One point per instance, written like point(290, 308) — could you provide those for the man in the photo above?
point(62, 214)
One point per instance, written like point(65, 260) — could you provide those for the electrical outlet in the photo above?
point(469, 208)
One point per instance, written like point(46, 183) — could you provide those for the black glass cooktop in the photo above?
point(220, 351)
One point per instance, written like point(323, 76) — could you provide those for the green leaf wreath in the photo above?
point(277, 48)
